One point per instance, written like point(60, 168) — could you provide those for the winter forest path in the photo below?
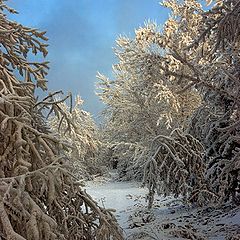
point(169, 218)
point(122, 196)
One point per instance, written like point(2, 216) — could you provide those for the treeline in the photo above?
point(172, 111)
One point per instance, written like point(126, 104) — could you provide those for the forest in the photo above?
point(171, 123)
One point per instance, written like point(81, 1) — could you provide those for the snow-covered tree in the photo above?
point(184, 76)
point(39, 198)
point(205, 44)
point(218, 80)
point(82, 136)
point(177, 168)
point(141, 102)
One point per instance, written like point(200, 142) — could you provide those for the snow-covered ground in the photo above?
point(124, 197)
point(169, 218)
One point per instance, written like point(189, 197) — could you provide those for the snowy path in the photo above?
point(122, 196)
point(167, 219)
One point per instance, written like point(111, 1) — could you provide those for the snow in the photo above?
point(168, 219)
point(122, 196)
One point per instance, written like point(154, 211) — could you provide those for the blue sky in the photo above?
point(81, 35)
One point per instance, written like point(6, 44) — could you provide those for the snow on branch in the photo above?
point(39, 198)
